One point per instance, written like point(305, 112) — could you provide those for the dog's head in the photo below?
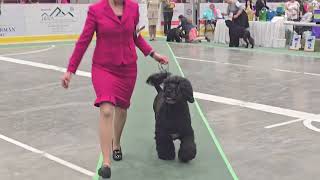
point(229, 23)
point(177, 89)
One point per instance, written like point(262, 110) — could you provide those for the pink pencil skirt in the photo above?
point(114, 84)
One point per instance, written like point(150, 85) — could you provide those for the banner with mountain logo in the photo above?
point(55, 19)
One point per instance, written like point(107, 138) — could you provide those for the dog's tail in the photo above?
point(157, 79)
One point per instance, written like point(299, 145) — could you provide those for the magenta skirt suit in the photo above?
point(114, 67)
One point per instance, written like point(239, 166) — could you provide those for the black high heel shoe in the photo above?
point(117, 154)
point(104, 172)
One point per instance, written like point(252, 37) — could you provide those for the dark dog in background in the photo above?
point(236, 32)
point(175, 34)
point(172, 116)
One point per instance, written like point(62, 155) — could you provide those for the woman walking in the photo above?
point(153, 16)
point(114, 68)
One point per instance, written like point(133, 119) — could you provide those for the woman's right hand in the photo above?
point(160, 58)
point(65, 80)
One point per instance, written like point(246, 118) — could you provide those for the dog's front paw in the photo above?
point(165, 148)
point(167, 157)
point(188, 153)
point(186, 156)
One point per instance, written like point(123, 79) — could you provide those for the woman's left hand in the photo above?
point(160, 58)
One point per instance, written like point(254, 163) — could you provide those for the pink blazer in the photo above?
point(116, 41)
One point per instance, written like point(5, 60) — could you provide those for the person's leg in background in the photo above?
point(201, 38)
point(170, 19)
point(152, 28)
point(232, 39)
point(236, 41)
point(154, 31)
point(150, 32)
point(166, 20)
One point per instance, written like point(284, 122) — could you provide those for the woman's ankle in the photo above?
point(106, 164)
point(115, 146)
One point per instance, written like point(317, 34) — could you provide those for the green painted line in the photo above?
point(215, 140)
point(96, 176)
point(260, 50)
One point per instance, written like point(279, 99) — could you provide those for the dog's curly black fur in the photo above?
point(175, 34)
point(236, 32)
point(173, 117)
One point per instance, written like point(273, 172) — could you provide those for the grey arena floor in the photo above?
point(256, 116)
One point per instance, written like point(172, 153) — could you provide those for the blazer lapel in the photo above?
point(109, 12)
point(126, 10)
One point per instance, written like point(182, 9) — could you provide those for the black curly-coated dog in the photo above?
point(175, 34)
point(236, 32)
point(172, 116)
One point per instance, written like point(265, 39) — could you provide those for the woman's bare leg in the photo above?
point(154, 32)
point(106, 130)
point(119, 122)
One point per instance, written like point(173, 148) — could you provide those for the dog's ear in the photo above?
point(186, 90)
point(157, 78)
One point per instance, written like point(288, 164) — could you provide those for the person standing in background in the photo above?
point(216, 12)
point(292, 10)
point(167, 9)
point(307, 17)
point(301, 11)
point(259, 5)
point(248, 5)
point(235, 11)
point(153, 16)
point(249, 10)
